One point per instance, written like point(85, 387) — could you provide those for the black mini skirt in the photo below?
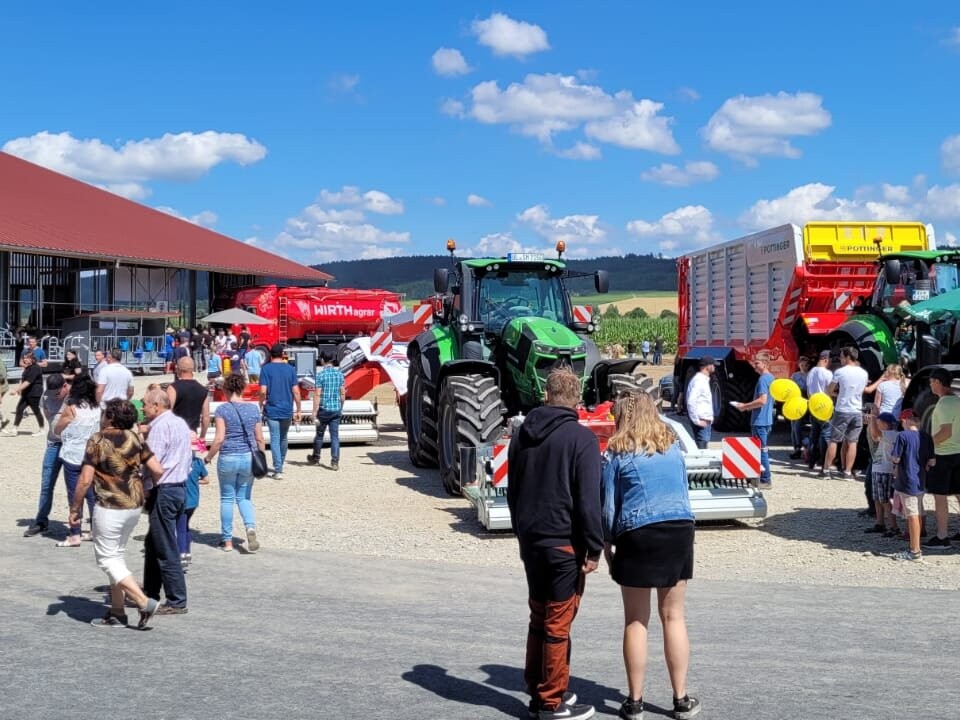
point(656, 555)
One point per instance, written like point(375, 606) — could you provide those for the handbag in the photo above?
point(258, 458)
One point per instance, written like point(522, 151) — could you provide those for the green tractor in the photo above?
point(888, 329)
point(505, 324)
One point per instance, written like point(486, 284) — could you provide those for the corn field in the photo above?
point(611, 330)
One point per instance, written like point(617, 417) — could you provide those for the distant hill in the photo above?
point(414, 275)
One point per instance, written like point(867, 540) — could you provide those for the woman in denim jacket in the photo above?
point(648, 534)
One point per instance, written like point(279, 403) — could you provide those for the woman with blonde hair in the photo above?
point(888, 390)
point(648, 534)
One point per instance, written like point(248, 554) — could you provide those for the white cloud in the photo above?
point(474, 200)
point(817, 201)
point(498, 245)
point(953, 38)
point(449, 62)
point(453, 108)
point(372, 200)
point(126, 168)
point(813, 201)
point(131, 191)
point(688, 94)
point(506, 36)
point(314, 242)
point(638, 127)
point(575, 230)
point(345, 83)
point(942, 203)
point(336, 227)
point(205, 218)
point(438, 200)
point(747, 127)
point(674, 176)
point(680, 229)
point(950, 240)
point(950, 154)
point(580, 151)
point(543, 105)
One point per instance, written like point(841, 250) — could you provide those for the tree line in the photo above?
point(413, 275)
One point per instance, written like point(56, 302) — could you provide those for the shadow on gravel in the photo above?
point(590, 692)
point(438, 681)
point(81, 609)
point(837, 529)
point(466, 521)
point(424, 480)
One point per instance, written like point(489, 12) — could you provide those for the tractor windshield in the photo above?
point(917, 283)
point(505, 295)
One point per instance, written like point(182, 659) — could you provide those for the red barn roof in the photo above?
point(44, 212)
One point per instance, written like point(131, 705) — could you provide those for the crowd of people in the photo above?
point(121, 458)
point(906, 462)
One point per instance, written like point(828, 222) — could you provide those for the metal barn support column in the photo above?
point(191, 298)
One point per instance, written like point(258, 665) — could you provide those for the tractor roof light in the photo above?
point(451, 246)
point(561, 248)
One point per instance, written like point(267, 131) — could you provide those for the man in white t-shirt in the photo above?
point(818, 380)
point(847, 422)
point(115, 381)
point(700, 402)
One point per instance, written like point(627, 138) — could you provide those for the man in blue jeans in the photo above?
point(327, 407)
point(169, 439)
point(279, 393)
point(56, 392)
point(761, 413)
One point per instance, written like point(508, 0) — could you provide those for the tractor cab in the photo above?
point(515, 313)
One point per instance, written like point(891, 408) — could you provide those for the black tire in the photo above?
point(735, 389)
point(471, 414)
point(420, 417)
point(621, 382)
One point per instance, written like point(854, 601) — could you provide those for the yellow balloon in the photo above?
point(795, 408)
point(821, 406)
point(783, 389)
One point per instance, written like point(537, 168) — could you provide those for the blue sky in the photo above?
point(328, 131)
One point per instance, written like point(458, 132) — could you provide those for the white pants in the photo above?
point(111, 531)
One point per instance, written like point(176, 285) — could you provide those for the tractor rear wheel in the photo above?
point(471, 414)
point(620, 382)
point(421, 417)
point(726, 391)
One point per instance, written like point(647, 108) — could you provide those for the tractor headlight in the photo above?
point(464, 319)
point(543, 349)
point(580, 349)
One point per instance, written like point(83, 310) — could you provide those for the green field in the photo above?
point(597, 299)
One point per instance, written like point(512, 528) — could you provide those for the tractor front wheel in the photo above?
point(471, 414)
point(421, 418)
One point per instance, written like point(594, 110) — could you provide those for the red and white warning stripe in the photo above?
point(793, 304)
point(741, 458)
point(381, 344)
point(423, 314)
point(582, 314)
point(844, 301)
point(499, 464)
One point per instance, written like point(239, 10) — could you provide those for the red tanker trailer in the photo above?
point(321, 316)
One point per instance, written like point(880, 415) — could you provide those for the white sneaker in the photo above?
point(9, 433)
point(38, 433)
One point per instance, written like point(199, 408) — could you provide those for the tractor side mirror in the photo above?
point(441, 280)
point(601, 281)
point(891, 272)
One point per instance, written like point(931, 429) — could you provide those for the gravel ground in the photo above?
point(378, 504)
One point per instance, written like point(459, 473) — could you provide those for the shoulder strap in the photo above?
point(246, 435)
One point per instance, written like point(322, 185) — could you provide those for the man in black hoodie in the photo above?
point(554, 498)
